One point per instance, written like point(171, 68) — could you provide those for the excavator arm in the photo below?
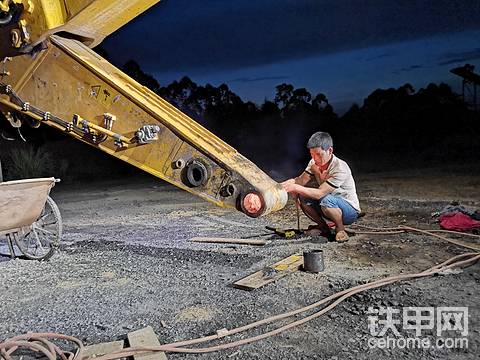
point(57, 80)
point(30, 22)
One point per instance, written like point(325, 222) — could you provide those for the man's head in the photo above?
point(320, 145)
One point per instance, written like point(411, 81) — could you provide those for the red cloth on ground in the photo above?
point(458, 222)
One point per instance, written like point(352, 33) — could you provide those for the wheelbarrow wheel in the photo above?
point(44, 236)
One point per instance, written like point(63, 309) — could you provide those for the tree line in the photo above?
point(396, 127)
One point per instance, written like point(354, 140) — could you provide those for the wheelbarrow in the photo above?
point(29, 218)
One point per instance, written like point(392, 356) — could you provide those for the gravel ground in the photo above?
point(126, 262)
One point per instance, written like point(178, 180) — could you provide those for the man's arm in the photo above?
point(312, 193)
point(301, 179)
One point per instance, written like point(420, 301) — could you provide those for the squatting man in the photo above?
point(325, 189)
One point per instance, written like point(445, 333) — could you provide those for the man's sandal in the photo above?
point(341, 236)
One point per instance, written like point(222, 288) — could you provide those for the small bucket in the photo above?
point(313, 261)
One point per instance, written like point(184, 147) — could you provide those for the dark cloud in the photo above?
point(381, 56)
point(460, 57)
point(212, 35)
point(411, 68)
point(407, 69)
point(264, 78)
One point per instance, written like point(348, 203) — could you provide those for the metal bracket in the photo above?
point(147, 134)
point(97, 133)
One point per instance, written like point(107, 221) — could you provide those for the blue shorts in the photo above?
point(349, 214)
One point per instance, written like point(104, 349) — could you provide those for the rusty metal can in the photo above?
point(313, 261)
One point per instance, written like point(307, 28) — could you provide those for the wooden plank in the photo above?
point(270, 273)
point(102, 348)
point(256, 242)
point(145, 337)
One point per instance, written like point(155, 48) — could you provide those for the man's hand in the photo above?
point(320, 175)
point(289, 181)
point(290, 187)
point(314, 169)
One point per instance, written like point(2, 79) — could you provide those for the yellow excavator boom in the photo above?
point(62, 83)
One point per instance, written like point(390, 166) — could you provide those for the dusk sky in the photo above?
point(344, 49)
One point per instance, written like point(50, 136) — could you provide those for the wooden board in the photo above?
point(145, 337)
point(102, 348)
point(270, 273)
point(257, 242)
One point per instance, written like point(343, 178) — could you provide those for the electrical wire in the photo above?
point(402, 228)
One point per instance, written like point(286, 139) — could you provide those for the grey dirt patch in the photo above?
point(170, 255)
point(126, 262)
